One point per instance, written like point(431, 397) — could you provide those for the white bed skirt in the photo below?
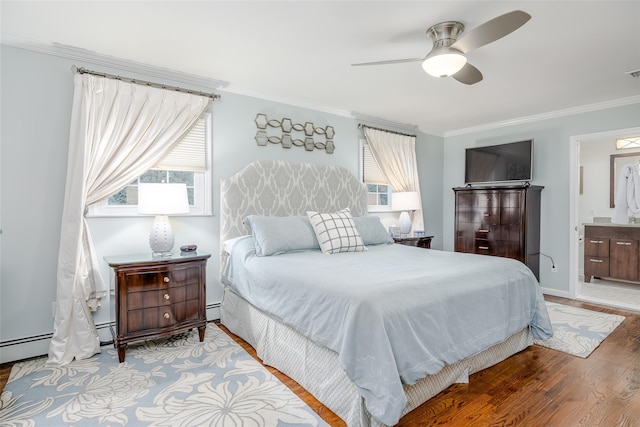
point(316, 367)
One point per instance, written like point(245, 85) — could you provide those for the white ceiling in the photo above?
point(571, 54)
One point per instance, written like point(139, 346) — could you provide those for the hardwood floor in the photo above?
point(536, 387)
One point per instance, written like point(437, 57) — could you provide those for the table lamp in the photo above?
point(405, 201)
point(162, 200)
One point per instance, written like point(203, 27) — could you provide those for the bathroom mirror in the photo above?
point(617, 162)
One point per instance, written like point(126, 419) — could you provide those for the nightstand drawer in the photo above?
point(146, 319)
point(144, 281)
point(164, 316)
point(162, 297)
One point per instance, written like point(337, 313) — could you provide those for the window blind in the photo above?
point(190, 153)
point(372, 173)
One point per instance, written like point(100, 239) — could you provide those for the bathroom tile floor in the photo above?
point(608, 292)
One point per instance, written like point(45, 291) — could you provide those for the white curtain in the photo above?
point(396, 157)
point(118, 131)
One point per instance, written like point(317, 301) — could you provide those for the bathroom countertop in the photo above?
point(610, 224)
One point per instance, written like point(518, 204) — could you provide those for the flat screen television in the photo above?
point(501, 163)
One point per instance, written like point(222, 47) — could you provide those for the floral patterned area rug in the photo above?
point(578, 331)
point(178, 381)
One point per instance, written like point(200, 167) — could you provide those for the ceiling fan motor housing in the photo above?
point(445, 34)
point(443, 60)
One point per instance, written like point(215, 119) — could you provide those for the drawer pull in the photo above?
point(596, 260)
point(624, 243)
point(483, 247)
point(483, 231)
point(486, 214)
point(166, 315)
point(166, 296)
point(166, 279)
point(596, 241)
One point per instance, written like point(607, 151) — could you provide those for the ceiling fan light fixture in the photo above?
point(445, 63)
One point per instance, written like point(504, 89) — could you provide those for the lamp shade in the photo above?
point(405, 201)
point(162, 199)
point(444, 62)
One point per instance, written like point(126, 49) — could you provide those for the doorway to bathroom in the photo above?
point(591, 186)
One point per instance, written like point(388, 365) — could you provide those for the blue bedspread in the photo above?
point(394, 313)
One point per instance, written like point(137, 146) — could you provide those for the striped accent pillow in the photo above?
point(336, 232)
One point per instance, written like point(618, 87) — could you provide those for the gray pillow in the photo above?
point(275, 235)
point(372, 231)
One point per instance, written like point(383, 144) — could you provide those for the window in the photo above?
point(189, 163)
point(378, 189)
point(378, 195)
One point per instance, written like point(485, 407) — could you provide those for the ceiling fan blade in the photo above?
point(391, 61)
point(468, 75)
point(492, 30)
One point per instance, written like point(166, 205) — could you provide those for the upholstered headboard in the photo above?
point(279, 188)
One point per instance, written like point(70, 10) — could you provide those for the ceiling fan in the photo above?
point(448, 55)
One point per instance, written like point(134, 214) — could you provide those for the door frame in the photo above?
point(574, 192)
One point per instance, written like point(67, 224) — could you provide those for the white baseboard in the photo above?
point(556, 292)
point(36, 346)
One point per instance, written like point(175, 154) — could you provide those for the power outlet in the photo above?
point(554, 269)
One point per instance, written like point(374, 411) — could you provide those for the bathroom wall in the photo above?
point(595, 162)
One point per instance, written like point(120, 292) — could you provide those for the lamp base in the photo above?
point(161, 238)
point(404, 222)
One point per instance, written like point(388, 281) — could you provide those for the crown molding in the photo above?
point(79, 54)
point(546, 116)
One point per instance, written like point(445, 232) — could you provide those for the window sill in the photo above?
point(379, 208)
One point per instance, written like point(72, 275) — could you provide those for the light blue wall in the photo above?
point(35, 112)
point(34, 129)
point(37, 90)
point(551, 170)
point(430, 152)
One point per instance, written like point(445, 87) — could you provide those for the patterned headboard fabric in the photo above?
point(280, 188)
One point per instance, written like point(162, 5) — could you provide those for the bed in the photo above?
point(372, 332)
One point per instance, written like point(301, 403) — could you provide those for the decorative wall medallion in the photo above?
point(287, 140)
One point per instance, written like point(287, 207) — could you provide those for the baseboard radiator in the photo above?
point(38, 345)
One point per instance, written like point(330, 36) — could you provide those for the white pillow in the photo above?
point(336, 232)
point(230, 243)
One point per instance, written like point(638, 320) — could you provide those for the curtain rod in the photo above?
point(82, 70)
point(362, 125)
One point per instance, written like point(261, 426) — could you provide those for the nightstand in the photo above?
point(156, 297)
point(421, 242)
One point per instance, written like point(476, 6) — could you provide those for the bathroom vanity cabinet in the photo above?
point(612, 251)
